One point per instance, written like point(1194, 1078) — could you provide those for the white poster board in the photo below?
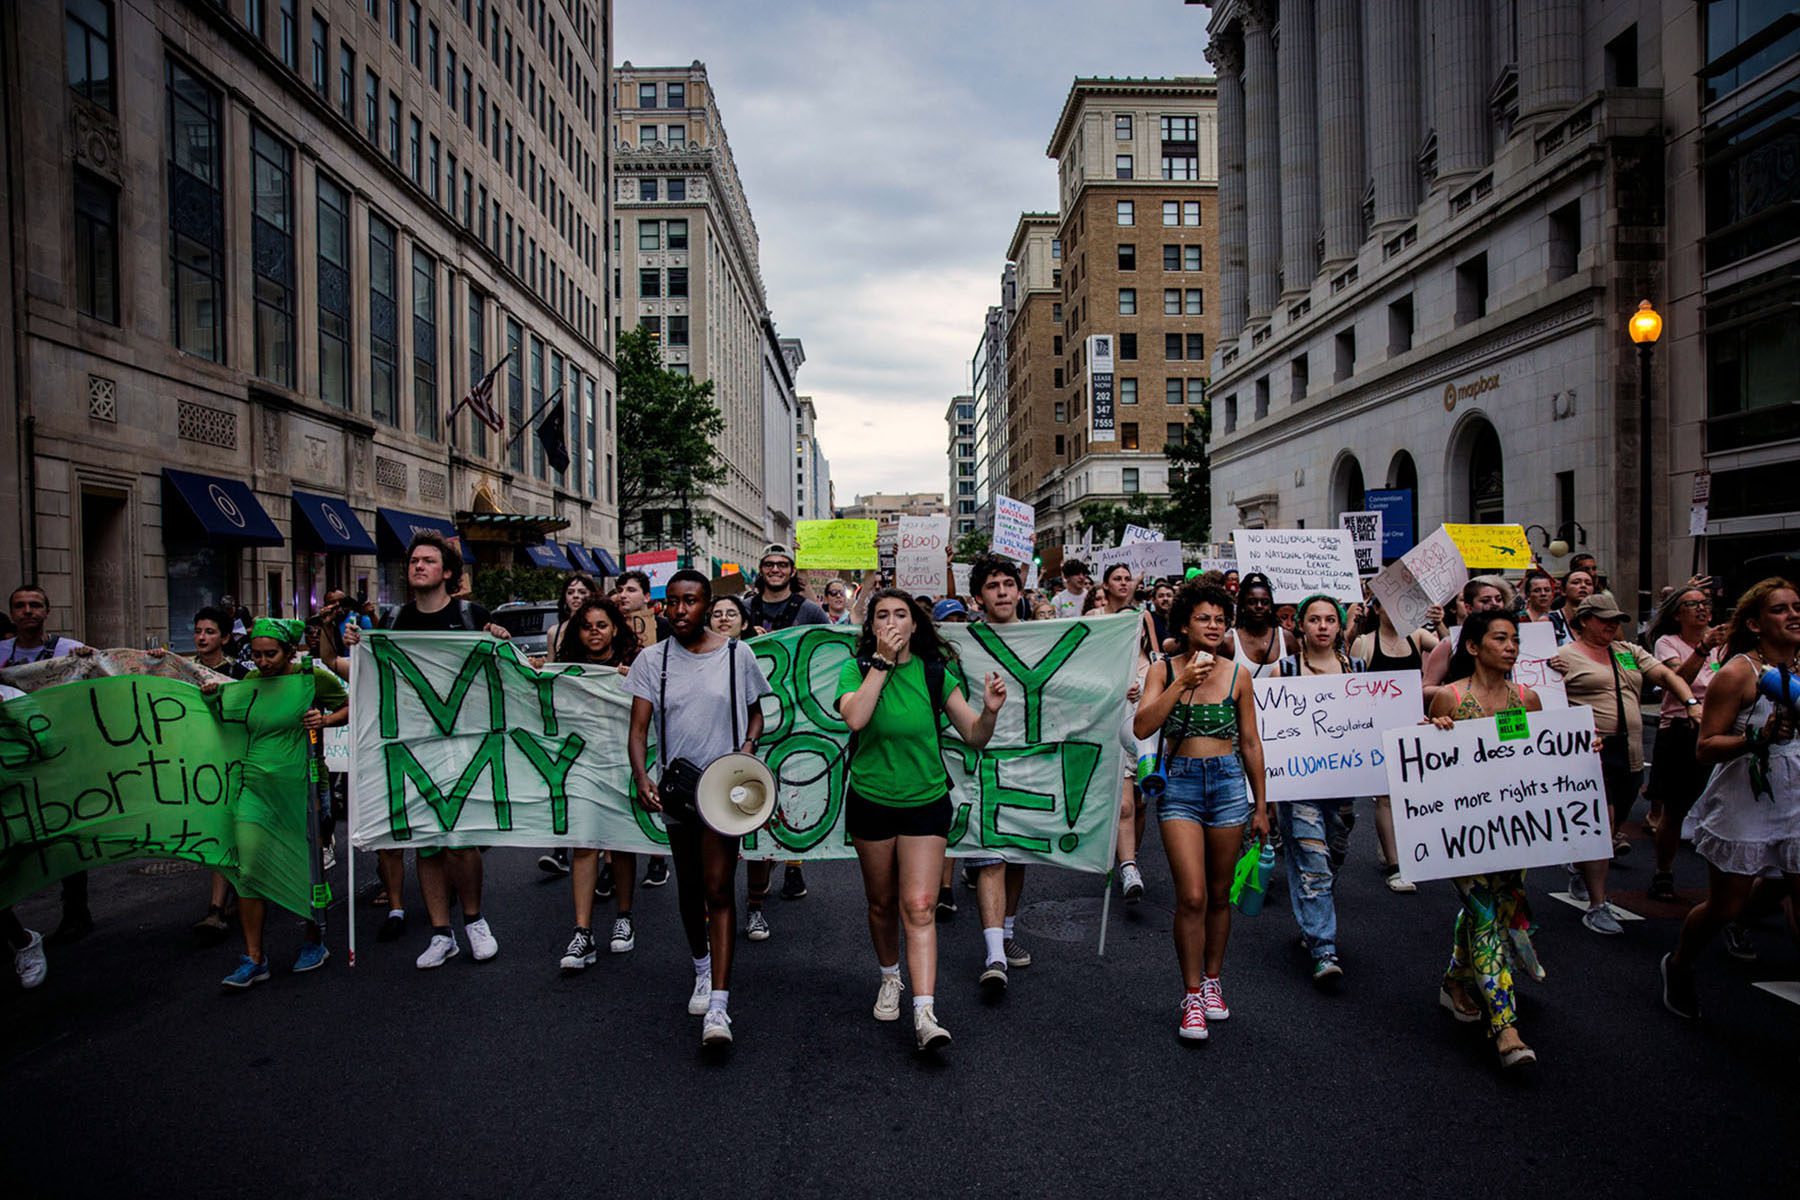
point(1147, 560)
point(1137, 533)
point(960, 572)
point(1430, 573)
point(919, 547)
point(1498, 794)
point(1015, 529)
point(1301, 562)
point(1322, 734)
point(1364, 529)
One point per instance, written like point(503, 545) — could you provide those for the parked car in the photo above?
point(529, 622)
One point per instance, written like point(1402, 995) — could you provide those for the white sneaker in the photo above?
point(481, 940)
point(1399, 885)
point(702, 997)
point(330, 856)
point(30, 962)
point(441, 949)
point(887, 1000)
point(716, 1029)
point(624, 937)
point(1131, 883)
point(931, 1035)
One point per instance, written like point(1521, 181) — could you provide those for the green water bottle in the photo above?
point(1256, 880)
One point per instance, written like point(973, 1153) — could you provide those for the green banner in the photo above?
point(140, 767)
point(459, 741)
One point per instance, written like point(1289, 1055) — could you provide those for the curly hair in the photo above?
point(925, 642)
point(1192, 595)
point(1739, 636)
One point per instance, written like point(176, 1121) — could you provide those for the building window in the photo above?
point(646, 135)
point(1174, 435)
point(1055, 249)
point(649, 235)
point(431, 55)
point(432, 156)
point(1734, 25)
point(1061, 445)
point(1122, 127)
point(1190, 258)
point(1172, 391)
point(1299, 376)
point(1128, 347)
point(1565, 239)
point(1171, 302)
point(1122, 167)
point(646, 189)
point(425, 346)
point(515, 397)
point(1180, 129)
point(394, 128)
point(1172, 347)
point(1180, 167)
point(676, 136)
point(290, 36)
point(677, 95)
point(413, 156)
point(1400, 325)
point(450, 82)
point(347, 82)
point(393, 21)
point(1127, 256)
point(272, 254)
point(646, 95)
point(412, 32)
point(1128, 477)
point(651, 324)
point(678, 189)
point(678, 331)
point(1128, 390)
point(1190, 212)
point(372, 107)
point(1171, 212)
point(1344, 353)
point(196, 215)
point(1196, 347)
point(1472, 290)
point(384, 320)
point(1127, 212)
point(536, 379)
point(1127, 302)
point(321, 57)
point(334, 294)
point(1128, 435)
point(1193, 302)
point(649, 283)
point(678, 235)
point(96, 248)
point(478, 364)
point(678, 283)
point(1196, 391)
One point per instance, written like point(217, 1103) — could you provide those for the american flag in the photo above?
point(481, 400)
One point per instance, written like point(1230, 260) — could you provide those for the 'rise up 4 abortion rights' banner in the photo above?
point(135, 766)
point(458, 741)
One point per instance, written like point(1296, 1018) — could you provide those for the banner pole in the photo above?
point(1112, 852)
point(350, 819)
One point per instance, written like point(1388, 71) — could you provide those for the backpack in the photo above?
point(935, 670)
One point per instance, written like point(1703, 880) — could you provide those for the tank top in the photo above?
point(1469, 708)
point(1259, 670)
point(1380, 660)
point(1218, 720)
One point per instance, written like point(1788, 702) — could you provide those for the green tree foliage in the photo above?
point(971, 545)
point(494, 586)
point(669, 429)
point(1190, 482)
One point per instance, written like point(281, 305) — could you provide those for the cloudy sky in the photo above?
point(888, 147)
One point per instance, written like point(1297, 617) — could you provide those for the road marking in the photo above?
point(1622, 914)
point(1788, 991)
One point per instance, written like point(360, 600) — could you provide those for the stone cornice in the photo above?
point(1196, 86)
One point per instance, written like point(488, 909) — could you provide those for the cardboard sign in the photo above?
point(1322, 734)
point(658, 565)
point(960, 574)
point(1015, 529)
point(1430, 573)
point(844, 545)
point(1470, 800)
point(919, 549)
point(1491, 547)
point(1301, 562)
point(643, 623)
point(1364, 529)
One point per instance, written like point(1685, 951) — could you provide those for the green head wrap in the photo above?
point(287, 632)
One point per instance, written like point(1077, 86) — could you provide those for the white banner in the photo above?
point(1518, 790)
point(1322, 734)
point(959, 573)
point(919, 548)
point(1103, 417)
point(1300, 562)
point(1015, 529)
point(1430, 573)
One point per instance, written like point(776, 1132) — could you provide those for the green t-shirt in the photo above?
point(897, 760)
point(328, 690)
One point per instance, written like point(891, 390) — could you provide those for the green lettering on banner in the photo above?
point(1031, 678)
point(996, 796)
point(1513, 724)
point(1079, 760)
point(394, 664)
point(553, 771)
point(542, 682)
point(403, 767)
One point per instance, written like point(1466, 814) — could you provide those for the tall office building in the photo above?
point(1035, 443)
point(987, 380)
point(263, 249)
point(812, 470)
point(959, 428)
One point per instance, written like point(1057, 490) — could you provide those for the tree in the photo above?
point(1109, 520)
point(669, 427)
point(1190, 481)
point(971, 545)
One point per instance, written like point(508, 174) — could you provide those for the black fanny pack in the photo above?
point(679, 787)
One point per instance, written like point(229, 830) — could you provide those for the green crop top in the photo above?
point(1200, 720)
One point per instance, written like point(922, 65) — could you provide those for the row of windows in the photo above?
point(653, 283)
point(675, 95)
point(1172, 128)
point(1177, 302)
point(1174, 212)
point(674, 135)
point(1175, 391)
point(662, 235)
point(670, 189)
point(1174, 258)
point(1183, 168)
point(675, 333)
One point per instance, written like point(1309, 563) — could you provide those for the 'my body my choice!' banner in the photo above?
point(134, 766)
point(459, 742)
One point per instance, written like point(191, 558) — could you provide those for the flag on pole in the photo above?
point(553, 437)
point(480, 401)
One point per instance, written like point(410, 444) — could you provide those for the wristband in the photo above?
point(880, 664)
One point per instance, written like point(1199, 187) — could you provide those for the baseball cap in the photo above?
point(943, 610)
point(775, 550)
point(1597, 605)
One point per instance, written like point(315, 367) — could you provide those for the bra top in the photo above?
point(1201, 720)
point(1468, 708)
point(1259, 670)
point(1380, 660)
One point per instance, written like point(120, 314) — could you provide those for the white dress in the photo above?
point(1741, 831)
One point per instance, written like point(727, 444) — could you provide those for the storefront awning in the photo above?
point(607, 564)
point(402, 525)
point(335, 523)
point(508, 527)
point(578, 554)
point(225, 508)
point(549, 554)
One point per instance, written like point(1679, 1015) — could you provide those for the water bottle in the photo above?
point(1250, 902)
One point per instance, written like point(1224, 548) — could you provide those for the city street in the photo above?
point(128, 1072)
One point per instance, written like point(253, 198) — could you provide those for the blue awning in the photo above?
point(548, 555)
point(225, 508)
point(578, 554)
point(335, 523)
point(402, 525)
point(609, 566)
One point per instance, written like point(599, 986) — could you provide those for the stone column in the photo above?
point(1262, 160)
point(1343, 171)
point(1393, 44)
point(1227, 58)
point(1298, 85)
point(1549, 55)
point(1459, 87)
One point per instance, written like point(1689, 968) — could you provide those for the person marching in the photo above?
point(1205, 719)
point(1684, 638)
point(596, 633)
point(578, 588)
point(1384, 648)
point(703, 691)
point(1494, 921)
point(1114, 596)
point(837, 603)
point(272, 645)
point(1258, 642)
point(897, 794)
point(1747, 821)
point(730, 618)
point(633, 597)
point(211, 626)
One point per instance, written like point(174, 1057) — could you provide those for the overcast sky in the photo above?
point(887, 148)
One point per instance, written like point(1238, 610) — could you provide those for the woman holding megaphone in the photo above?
point(897, 799)
point(1212, 757)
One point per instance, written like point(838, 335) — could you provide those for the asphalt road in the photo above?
point(128, 1073)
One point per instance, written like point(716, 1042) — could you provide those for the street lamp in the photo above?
point(1559, 545)
point(1645, 327)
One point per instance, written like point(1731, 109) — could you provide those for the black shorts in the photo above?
point(874, 822)
point(1677, 776)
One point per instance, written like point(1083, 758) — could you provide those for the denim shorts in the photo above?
point(1210, 791)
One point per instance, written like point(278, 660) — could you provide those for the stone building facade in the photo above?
point(959, 428)
point(264, 251)
point(814, 498)
point(1036, 443)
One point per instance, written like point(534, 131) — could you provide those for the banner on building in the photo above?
point(1102, 412)
point(1322, 734)
point(1300, 562)
point(460, 742)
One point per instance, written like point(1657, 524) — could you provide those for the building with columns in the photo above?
point(262, 251)
point(1435, 221)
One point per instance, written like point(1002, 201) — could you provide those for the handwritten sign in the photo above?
point(919, 554)
point(846, 545)
point(1491, 547)
point(658, 565)
point(1015, 529)
point(1146, 560)
point(959, 572)
point(1468, 801)
point(1364, 529)
point(1138, 533)
point(1430, 573)
point(1301, 562)
point(1322, 734)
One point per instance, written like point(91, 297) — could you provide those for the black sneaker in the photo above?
point(603, 887)
point(658, 874)
point(1679, 995)
point(392, 929)
point(793, 884)
point(946, 905)
point(554, 862)
point(1662, 887)
point(580, 953)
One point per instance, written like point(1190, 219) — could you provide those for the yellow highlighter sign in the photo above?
point(836, 546)
point(1491, 547)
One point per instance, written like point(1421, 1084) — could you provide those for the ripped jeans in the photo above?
point(1315, 835)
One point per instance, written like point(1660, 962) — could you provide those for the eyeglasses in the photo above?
point(1695, 604)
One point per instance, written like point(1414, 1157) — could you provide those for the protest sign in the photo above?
point(336, 749)
point(1300, 562)
point(1497, 795)
point(1491, 547)
point(1223, 566)
point(103, 770)
point(658, 565)
point(845, 545)
point(1137, 533)
point(1015, 529)
point(1430, 573)
point(1364, 529)
point(959, 575)
point(919, 554)
point(1322, 734)
point(1146, 560)
point(1537, 646)
point(460, 742)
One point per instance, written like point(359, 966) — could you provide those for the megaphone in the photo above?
point(1151, 778)
point(735, 795)
point(1783, 687)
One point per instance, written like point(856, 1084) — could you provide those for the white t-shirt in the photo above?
point(1068, 604)
point(699, 718)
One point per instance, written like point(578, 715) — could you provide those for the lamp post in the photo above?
point(1645, 327)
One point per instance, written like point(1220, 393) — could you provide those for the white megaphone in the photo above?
point(736, 795)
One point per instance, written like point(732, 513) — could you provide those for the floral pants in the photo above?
point(1494, 915)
